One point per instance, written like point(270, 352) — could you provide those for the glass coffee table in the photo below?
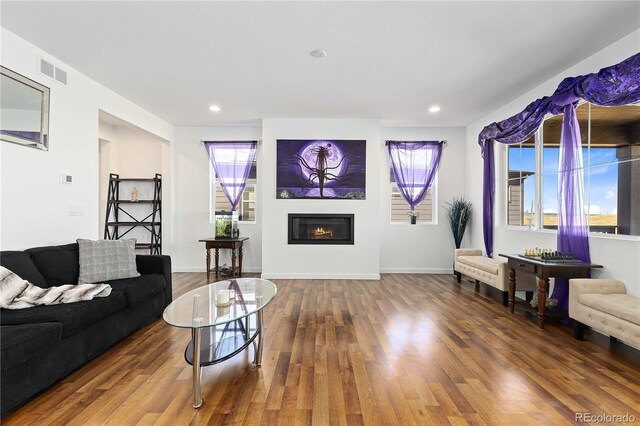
point(218, 332)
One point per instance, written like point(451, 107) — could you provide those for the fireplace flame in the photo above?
point(320, 232)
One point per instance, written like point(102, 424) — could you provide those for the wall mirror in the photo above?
point(24, 110)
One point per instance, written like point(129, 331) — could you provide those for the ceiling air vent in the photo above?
point(46, 68)
point(52, 71)
point(61, 76)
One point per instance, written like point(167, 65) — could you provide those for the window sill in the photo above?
point(591, 234)
point(614, 236)
point(239, 223)
point(416, 224)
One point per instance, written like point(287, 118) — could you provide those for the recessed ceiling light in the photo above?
point(214, 108)
point(434, 108)
point(319, 53)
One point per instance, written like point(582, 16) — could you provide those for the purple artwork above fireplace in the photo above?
point(321, 169)
point(319, 228)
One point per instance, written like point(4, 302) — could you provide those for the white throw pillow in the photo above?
point(105, 260)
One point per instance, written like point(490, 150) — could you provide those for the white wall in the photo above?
point(34, 205)
point(192, 199)
point(402, 248)
point(422, 248)
point(281, 260)
point(620, 257)
point(135, 153)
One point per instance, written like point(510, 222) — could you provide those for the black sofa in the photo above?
point(43, 344)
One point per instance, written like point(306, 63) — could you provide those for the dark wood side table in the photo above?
point(544, 271)
point(224, 243)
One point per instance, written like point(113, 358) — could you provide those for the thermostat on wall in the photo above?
point(65, 178)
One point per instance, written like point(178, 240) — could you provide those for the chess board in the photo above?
point(540, 259)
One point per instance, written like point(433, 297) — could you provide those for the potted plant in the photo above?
point(459, 213)
point(413, 215)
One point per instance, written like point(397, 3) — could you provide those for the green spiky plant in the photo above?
point(459, 214)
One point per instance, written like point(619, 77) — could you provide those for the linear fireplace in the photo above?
point(317, 228)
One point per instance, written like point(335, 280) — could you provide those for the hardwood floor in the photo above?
point(409, 349)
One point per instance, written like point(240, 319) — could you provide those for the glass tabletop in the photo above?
point(198, 307)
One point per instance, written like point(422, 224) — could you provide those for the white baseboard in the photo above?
point(332, 276)
point(187, 269)
point(203, 270)
point(416, 271)
point(311, 276)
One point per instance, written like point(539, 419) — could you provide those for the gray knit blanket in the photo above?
point(16, 293)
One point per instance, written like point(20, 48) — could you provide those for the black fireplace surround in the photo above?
point(320, 228)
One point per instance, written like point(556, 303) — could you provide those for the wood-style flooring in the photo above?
point(409, 349)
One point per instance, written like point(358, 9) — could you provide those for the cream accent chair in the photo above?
point(493, 272)
point(605, 306)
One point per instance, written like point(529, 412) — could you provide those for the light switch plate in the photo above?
point(76, 210)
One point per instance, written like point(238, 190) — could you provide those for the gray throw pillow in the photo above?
point(105, 260)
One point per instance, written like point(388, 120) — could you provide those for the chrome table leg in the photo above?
point(258, 355)
point(196, 334)
point(247, 324)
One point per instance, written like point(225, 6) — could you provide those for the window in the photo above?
point(521, 183)
point(611, 159)
point(399, 207)
point(246, 207)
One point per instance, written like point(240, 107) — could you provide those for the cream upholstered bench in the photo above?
point(605, 306)
point(493, 272)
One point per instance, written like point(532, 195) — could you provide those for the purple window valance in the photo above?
point(612, 86)
point(232, 162)
point(414, 167)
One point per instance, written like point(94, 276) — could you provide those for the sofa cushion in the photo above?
point(22, 342)
point(104, 260)
point(486, 264)
point(57, 264)
point(140, 289)
point(22, 265)
point(73, 316)
point(622, 306)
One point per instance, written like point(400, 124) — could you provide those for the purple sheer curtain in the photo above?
point(489, 190)
point(615, 85)
point(572, 227)
point(414, 166)
point(232, 162)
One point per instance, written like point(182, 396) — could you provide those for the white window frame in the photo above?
point(538, 225)
point(434, 203)
point(214, 184)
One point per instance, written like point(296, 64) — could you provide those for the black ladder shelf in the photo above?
point(115, 223)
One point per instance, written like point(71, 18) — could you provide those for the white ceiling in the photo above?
point(387, 60)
